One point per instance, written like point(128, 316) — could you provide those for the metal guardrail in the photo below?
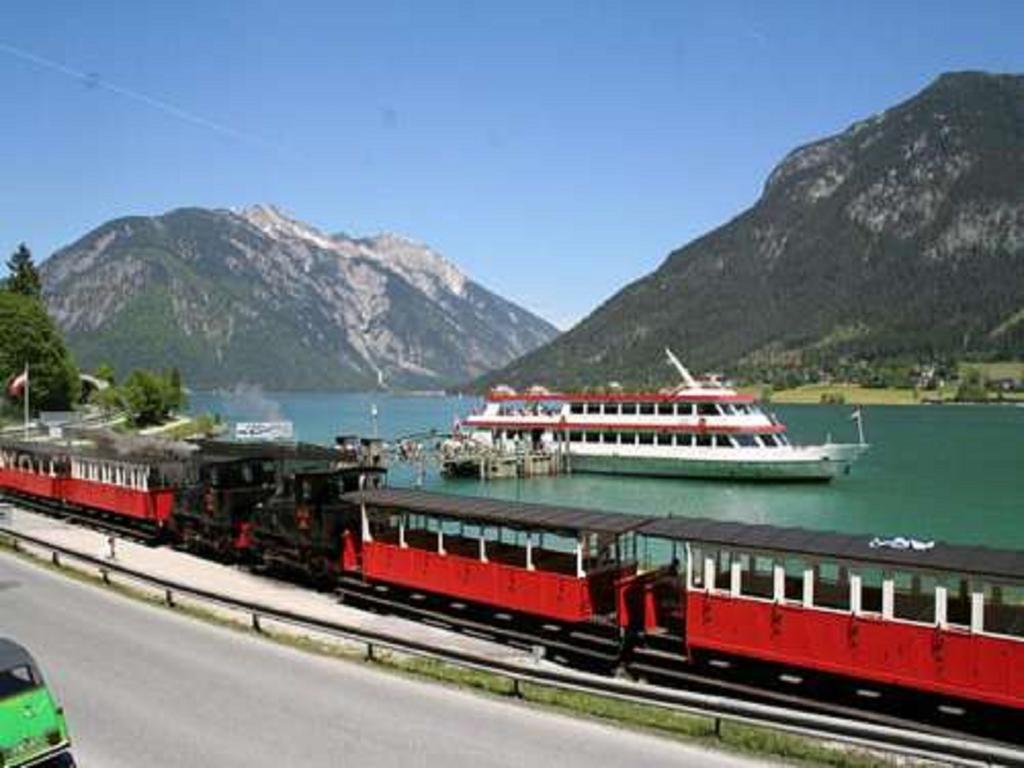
point(717, 708)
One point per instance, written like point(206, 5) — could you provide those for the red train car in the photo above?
point(552, 563)
point(933, 617)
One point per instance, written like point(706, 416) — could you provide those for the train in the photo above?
point(899, 620)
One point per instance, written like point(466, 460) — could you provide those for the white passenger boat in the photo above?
point(701, 428)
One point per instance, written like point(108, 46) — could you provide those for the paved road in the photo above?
point(144, 687)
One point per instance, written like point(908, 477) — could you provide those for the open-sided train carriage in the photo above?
point(944, 619)
point(538, 567)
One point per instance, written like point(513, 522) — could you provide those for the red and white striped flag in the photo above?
point(17, 384)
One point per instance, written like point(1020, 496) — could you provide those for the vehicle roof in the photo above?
point(14, 655)
point(957, 558)
point(494, 511)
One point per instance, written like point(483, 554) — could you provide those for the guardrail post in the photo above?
point(169, 598)
point(517, 689)
point(369, 652)
point(105, 575)
point(55, 558)
point(718, 728)
point(256, 623)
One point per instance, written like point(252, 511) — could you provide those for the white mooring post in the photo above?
point(941, 599)
point(977, 612)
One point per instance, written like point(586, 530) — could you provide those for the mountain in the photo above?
point(256, 296)
point(901, 237)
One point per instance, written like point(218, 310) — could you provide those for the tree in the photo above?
point(24, 277)
point(27, 335)
point(973, 387)
point(148, 397)
point(105, 372)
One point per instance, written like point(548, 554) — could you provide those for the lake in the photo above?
point(951, 473)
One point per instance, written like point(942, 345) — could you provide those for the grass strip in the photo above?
point(692, 729)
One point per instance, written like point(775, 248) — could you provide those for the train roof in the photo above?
point(13, 655)
point(498, 512)
point(940, 556)
point(227, 450)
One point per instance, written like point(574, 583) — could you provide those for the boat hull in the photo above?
point(821, 469)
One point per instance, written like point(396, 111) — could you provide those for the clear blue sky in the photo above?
point(556, 151)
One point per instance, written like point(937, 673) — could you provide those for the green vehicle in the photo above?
point(32, 727)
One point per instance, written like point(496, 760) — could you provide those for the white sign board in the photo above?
point(264, 430)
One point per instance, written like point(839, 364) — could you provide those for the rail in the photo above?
point(949, 749)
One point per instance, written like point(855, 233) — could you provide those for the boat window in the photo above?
point(1004, 609)
point(627, 438)
point(610, 438)
point(703, 441)
point(17, 680)
point(707, 409)
point(575, 437)
point(666, 409)
point(684, 409)
point(593, 437)
point(646, 409)
point(756, 576)
point(664, 438)
point(782, 439)
point(646, 438)
point(745, 441)
point(726, 409)
point(768, 441)
point(832, 586)
point(611, 409)
point(593, 408)
point(723, 441)
point(686, 441)
point(576, 408)
point(629, 409)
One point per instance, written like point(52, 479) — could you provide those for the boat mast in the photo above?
point(688, 380)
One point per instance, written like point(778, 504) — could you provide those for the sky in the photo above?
point(555, 151)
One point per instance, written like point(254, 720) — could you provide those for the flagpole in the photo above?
point(26, 400)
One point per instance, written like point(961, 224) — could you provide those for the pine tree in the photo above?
point(24, 277)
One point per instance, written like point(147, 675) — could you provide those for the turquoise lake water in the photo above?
point(953, 473)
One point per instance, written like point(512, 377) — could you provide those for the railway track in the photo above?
point(601, 651)
point(894, 736)
point(743, 679)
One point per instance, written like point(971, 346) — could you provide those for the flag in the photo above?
point(17, 384)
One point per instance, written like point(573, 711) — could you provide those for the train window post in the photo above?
point(735, 575)
point(529, 552)
point(888, 597)
point(580, 573)
point(977, 612)
point(778, 583)
point(401, 532)
point(941, 595)
point(808, 585)
point(855, 594)
point(709, 574)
